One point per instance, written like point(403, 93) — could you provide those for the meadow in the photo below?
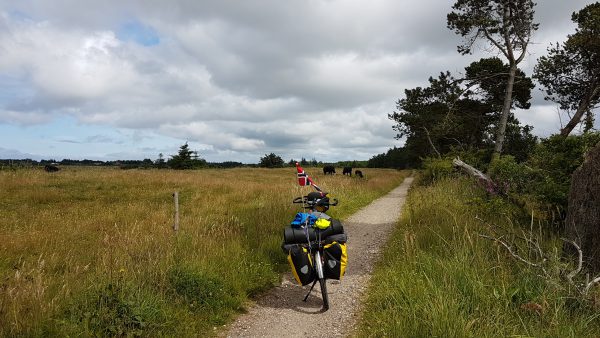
point(439, 278)
point(92, 251)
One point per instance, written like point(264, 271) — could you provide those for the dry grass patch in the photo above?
point(92, 251)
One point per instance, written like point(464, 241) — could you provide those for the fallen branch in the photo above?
point(457, 162)
point(575, 272)
point(510, 250)
point(583, 288)
point(590, 284)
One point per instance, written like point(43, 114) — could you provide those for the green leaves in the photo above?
point(497, 21)
point(462, 113)
point(271, 161)
point(186, 159)
point(570, 72)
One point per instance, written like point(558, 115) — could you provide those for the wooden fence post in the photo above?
point(176, 200)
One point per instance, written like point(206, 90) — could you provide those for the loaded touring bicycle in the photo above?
point(314, 242)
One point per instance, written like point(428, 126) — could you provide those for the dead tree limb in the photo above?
point(590, 284)
point(575, 272)
point(431, 143)
point(511, 251)
point(458, 163)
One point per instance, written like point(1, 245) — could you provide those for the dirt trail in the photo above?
point(281, 311)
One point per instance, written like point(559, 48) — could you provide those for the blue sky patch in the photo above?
point(133, 30)
point(19, 16)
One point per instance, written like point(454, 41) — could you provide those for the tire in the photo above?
point(323, 284)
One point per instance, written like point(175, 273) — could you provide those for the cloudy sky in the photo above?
point(118, 79)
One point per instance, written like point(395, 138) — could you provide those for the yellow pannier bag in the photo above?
point(336, 259)
point(301, 264)
point(322, 223)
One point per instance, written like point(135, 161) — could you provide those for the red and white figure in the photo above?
point(304, 179)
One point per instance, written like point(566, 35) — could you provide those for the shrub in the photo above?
point(510, 176)
point(114, 310)
point(543, 182)
point(271, 161)
point(200, 290)
point(557, 158)
point(435, 169)
point(478, 158)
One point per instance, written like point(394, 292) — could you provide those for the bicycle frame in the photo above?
point(316, 246)
point(315, 249)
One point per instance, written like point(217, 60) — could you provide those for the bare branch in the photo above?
point(510, 250)
point(574, 273)
point(523, 52)
point(431, 143)
point(495, 43)
point(590, 284)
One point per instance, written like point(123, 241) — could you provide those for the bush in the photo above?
point(271, 161)
point(510, 176)
point(114, 310)
point(435, 169)
point(543, 182)
point(478, 158)
point(200, 290)
point(558, 157)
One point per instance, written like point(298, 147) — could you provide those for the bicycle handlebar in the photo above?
point(304, 199)
point(299, 199)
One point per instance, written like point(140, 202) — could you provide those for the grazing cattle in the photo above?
point(51, 168)
point(329, 169)
point(359, 173)
point(347, 170)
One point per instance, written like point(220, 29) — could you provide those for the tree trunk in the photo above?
point(583, 213)
point(505, 110)
point(584, 105)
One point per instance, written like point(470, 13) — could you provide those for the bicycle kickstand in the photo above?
point(309, 291)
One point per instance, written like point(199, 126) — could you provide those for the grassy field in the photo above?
point(91, 251)
point(439, 278)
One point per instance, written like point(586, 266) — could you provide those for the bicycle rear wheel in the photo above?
point(323, 284)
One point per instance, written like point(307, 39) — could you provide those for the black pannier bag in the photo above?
point(336, 258)
point(291, 235)
point(301, 264)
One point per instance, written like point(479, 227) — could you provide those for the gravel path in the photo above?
point(281, 311)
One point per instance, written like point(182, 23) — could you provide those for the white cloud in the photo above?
point(239, 79)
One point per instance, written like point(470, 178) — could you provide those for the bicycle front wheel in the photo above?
point(323, 284)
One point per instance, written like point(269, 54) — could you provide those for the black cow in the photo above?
point(51, 168)
point(328, 169)
point(359, 173)
point(347, 170)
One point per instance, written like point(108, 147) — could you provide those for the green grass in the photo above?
point(91, 251)
point(438, 278)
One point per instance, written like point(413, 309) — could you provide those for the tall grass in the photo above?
point(91, 251)
point(438, 278)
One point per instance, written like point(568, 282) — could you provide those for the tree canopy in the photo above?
point(461, 113)
point(570, 72)
point(186, 159)
point(507, 25)
point(271, 161)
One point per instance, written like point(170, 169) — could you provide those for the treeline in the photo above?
point(184, 159)
point(314, 163)
point(471, 115)
point(123, 164)
point(398, 158)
